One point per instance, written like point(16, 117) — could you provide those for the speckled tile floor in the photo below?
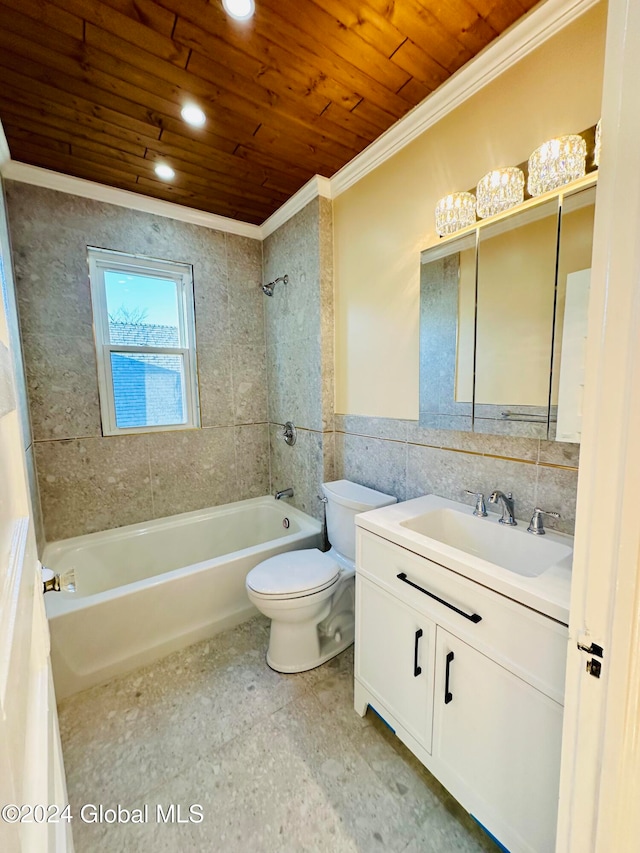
point(277, 762)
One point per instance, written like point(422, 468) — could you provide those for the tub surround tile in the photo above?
point(192, 469)
point(244, 262)
point(249, 383)
point(93, 484)
point(50, 233)
point(294, 382)
point(329, 457)
point(299, 320)
point(299, 354)
point(215, 386)
point(278, 762)
point(252, 460)
point(247, 316)
point(213, 314)
point(327, 323)
point(300, 466)
point(63, 386)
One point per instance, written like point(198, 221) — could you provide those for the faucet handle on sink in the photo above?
point(481, 508)
point(535, 525)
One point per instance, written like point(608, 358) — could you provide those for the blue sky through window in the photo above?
point(155, 300)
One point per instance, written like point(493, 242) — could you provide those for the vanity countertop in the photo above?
point(547, 592)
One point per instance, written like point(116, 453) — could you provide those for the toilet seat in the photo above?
point(293, 574)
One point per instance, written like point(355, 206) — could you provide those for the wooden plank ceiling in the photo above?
point(94, 88)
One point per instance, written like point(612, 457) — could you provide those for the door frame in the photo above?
point(600, 777)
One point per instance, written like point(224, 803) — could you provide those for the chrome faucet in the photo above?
point(506, 502)
point(481, 510)
point(535, 525)
point(285, 493)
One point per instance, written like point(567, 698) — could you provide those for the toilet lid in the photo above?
point(293, 573)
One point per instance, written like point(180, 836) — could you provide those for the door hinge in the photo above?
point(594, 667)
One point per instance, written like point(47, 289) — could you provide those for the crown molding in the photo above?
point(5, 154)
point(528, 33)
point(316, 187)
point(15, 171)
point(524, 36)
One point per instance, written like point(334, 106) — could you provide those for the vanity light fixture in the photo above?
point(193, 115)
point(164, 171)
point(241, 10)
point(499, 190)
point(598, 147)
point(555, 163)
point(455, 211)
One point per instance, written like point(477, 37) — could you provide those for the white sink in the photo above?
point(511, 548)
point(534, 570)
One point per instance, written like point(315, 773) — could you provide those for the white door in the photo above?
point(496, 741)
point(600, 779)
point(32, 787)
point(395, 658)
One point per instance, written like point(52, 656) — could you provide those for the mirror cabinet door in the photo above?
point(572, 302)
point(515, 322)
point(447, 344)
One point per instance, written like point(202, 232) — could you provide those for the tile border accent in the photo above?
point(536, 462)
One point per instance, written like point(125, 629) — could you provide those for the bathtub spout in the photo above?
point(285, 493)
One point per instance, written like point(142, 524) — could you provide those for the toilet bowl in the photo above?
point(310, 595)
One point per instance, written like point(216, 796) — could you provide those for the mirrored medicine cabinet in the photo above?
point(503, 320)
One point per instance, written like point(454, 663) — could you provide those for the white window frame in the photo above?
point(103, 260)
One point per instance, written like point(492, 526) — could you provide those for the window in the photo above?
point(145, 342)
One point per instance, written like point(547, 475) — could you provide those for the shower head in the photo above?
point(267, 289)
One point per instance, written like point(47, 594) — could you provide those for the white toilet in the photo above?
point(309, 595)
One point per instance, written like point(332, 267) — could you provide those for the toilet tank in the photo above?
point(344, 501)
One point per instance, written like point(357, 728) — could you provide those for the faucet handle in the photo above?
point(481, 508)
point(535, 525)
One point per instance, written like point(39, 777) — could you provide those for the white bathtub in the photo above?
point(148, 589)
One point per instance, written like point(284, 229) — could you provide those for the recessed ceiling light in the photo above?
point(193, 115)
point(242, 10)
point(165, 172)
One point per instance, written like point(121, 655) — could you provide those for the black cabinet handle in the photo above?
point(472, 617)
point(448, 695)
point(416, 669)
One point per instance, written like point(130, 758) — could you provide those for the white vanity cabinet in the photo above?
point(484, 711)
point(396, 661)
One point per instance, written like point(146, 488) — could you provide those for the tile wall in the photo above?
point(6, 271)
point(299, 332)
point(261, 360)
point(89, 482)
point(407, 460)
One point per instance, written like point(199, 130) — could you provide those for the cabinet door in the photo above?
point(497, 743)
point(394, 658)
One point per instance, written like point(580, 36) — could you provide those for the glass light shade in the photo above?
point(598, 146)
point(499, 190)
point(455, 211)
point(193, 115)
point(164, 171)
point(241, 10)
point(555, 163)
